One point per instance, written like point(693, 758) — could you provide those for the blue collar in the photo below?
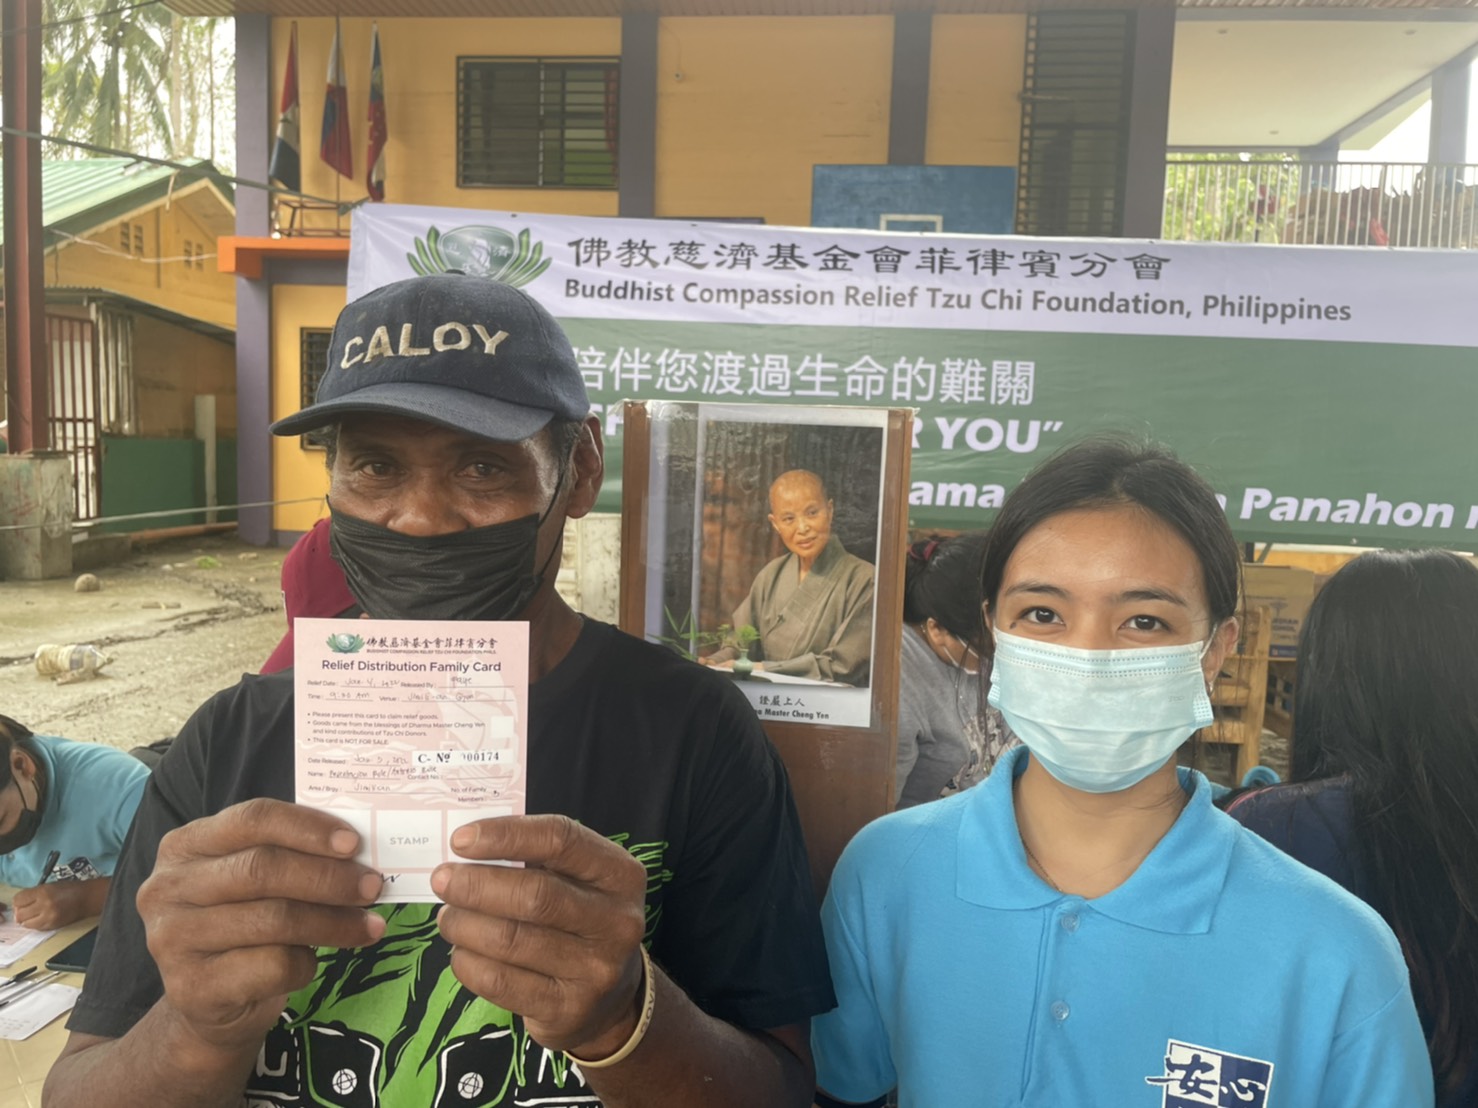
point(1175, 890)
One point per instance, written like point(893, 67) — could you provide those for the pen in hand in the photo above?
point(50, 867)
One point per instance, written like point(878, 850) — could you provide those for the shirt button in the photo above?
point(1060, 1011)
point(1070, 922)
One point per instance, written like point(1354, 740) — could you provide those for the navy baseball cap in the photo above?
point(466, 352)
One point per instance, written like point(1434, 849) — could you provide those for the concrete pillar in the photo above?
point(1322, 174)
point(36, 499)
point(908, 119)
point(254, 130)
point(1451, 88)
point(599, 565)
point(1149, 123)
point(205, 433)
point(637, 153)
point(256, 120)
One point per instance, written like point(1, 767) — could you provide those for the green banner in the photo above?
point(1353, 459)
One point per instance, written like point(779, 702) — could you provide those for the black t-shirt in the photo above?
point(636, 743)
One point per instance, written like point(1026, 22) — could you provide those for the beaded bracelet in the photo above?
point(649, 1002)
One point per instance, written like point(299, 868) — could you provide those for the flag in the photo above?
point(287, 167)
point(335, 148)
point(378, 127)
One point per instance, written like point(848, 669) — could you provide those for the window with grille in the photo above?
point(1075, 123)
point(313, 362)
point(537, 122)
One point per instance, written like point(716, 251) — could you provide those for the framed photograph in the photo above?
point(766, 542)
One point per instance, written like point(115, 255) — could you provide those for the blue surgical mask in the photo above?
point(1100, 720)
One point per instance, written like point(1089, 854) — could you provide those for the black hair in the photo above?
point(11, 735)
point(941, 581)
point(1387, 697)
point(1110, 471)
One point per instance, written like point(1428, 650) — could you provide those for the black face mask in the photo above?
point(482, 573)
point(26, 825)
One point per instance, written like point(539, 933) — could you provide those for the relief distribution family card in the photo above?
point(406, 730)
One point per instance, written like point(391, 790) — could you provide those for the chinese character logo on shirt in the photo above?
point(1197, 1075)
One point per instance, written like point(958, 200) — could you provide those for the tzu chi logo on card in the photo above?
point(1196, 1075)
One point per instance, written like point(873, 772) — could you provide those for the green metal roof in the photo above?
point(82, 193)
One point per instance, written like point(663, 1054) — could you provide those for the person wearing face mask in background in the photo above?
point(948, 737)
point(1108, 902)
point(660, 943)
point(75, 798)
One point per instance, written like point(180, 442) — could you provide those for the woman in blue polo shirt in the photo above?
point(1084, 929)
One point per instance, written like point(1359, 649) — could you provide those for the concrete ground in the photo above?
point(181, 620)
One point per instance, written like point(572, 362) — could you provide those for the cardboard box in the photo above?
point(1287, 592)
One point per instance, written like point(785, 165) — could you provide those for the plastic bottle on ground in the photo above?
point(70, 662)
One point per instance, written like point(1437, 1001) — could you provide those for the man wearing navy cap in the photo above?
point(661, 945)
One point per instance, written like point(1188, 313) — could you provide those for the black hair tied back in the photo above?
point(942, 582)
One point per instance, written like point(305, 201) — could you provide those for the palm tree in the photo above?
point(105, 74)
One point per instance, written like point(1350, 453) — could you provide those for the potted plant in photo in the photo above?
point(741, 639)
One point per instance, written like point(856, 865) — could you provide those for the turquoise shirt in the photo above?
point(92, 792)
point(1222, 974)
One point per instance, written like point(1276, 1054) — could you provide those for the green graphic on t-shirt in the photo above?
point(389, 1026)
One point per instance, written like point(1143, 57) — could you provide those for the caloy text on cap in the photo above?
point(466, 352)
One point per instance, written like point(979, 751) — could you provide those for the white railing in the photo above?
point(1328, 203)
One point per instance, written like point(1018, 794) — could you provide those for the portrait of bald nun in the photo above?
point(812, 605)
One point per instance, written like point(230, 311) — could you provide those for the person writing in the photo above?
point(1157, 952)
point(660, 943)
point(948, 737)
point(71, 799)
point(812, 606)
point(1385, 766)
